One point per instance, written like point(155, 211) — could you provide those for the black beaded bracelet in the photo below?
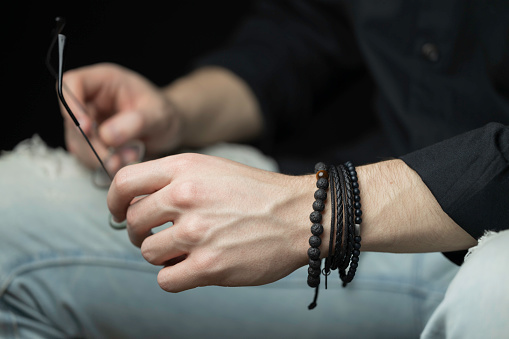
point(315, 240)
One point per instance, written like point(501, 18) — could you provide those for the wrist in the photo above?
point(185, 101)
point(215, 105)
point(402, 215)
point(301, 217)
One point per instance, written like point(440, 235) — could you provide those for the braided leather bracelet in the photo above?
point(354, 220)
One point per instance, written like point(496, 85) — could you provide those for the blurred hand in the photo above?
point(120, 106)
point(233, 224)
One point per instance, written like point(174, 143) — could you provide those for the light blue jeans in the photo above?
point(64, 273)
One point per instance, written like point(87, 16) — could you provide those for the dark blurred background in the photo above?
point(159, 40)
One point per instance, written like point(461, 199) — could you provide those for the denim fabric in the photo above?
point(476, 304)
point(64, 273)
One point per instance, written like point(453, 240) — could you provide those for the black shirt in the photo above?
point(427, 81)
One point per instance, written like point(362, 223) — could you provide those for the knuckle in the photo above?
point(191, 233)
point(122, 180)
point(131, 218)
point(184, 194)
point(108, 67)
point(146, 251)
point(185, 161)
point(164, 284)
point(133, 237)
point(69, 76)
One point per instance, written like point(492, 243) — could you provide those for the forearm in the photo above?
point(215, 105)
point(400, 214)
point(234, 225)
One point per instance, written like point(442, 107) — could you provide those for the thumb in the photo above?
point(121, 128)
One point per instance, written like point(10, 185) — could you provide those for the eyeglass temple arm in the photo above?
point(61, 44)
point(59, 27)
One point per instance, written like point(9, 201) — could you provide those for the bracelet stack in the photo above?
point(345, 239)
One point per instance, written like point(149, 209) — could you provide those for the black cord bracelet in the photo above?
point(346, 250)
point(340, 184)
point(328, 261)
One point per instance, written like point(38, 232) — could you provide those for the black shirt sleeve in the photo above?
point(290, 53)
point(469, 177)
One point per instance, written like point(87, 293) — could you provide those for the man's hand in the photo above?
point(207, 106)
point(233, 224)
point(120, 106)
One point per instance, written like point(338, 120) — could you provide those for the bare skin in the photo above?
point(236, 226)
point(233, 225)
point(207, 106)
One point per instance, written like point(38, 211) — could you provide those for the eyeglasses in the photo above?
point(129, 153)
point(61, 44)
